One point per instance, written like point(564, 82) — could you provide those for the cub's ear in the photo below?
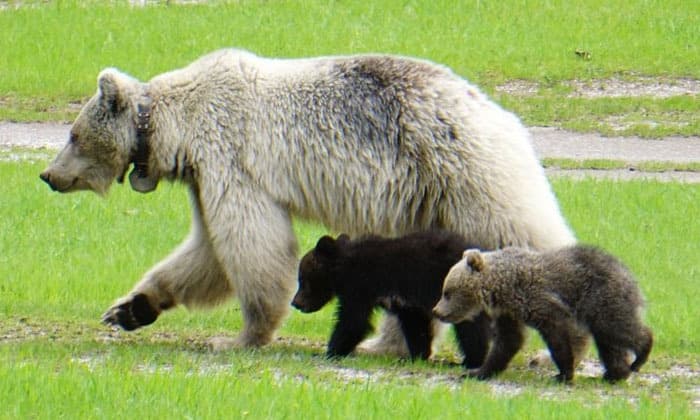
point(474, 259)
point(112, 89)
point(326, 247)
point(343, 239)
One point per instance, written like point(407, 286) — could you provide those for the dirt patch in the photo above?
point(614, 87)
point(552, 142)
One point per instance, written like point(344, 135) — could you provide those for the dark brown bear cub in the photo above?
point(403, 276)
point(558, 293)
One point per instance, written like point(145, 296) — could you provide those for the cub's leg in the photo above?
point(416, 327)
point(509, 338)
point(614, 359)
point(352, 325)
point(644, 343)
point(556, 334)
point(473, 338)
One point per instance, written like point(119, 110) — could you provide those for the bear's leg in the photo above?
point(580, 339)
point(264, 275)
point(253, 240)
point(509, 338)
point(390, 339)
point(614, 359)
point(191, 275)
point(643, 347)
point(473, 338)
point(351, 327)
point(418, 331)
point(556, 334)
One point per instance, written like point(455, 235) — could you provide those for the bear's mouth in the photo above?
point(54, 186)
point(66, 189)
point(122, 175)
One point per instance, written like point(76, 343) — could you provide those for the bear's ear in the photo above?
point(326, 247)
point(474, 259)
point(112, 90)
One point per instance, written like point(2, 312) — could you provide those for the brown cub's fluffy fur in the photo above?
point(560, 293)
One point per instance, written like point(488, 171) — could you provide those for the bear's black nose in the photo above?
point(47, 178)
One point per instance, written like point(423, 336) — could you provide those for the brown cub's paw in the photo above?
point(132, 313)
point(613, 377)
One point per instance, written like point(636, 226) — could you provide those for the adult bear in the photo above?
point(363, 144)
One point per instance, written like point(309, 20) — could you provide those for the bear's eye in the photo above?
point(73, 138)
point(446, 295)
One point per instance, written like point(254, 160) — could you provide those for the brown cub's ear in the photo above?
point(326, 247)
point(474, 259)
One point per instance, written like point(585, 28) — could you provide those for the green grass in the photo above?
point(65, 258)
point(609, 164)
point(645, 117)
point(84, 382)
point(50, 54)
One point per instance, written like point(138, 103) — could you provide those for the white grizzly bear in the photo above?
point(363, 144)
point(559, 293)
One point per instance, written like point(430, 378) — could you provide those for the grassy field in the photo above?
point(65, 258)
point(50, 54)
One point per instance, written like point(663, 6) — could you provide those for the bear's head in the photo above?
point(317, 270)
point(462, 297)
point(103, 139)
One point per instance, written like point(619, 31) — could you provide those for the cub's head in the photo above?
point(462, 297)
point(316, 272)
point(102, 138)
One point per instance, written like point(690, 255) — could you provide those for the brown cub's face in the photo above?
point(460, 300)
point(100, 140)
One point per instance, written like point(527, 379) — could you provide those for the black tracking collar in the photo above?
point(143, 132)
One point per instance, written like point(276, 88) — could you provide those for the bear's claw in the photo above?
point(131, 314)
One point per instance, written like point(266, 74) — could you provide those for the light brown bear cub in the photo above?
point(558, 293)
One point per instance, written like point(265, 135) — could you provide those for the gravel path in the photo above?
point(548, 143)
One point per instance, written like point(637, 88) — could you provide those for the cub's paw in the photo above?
point(564, 378)
point(131, 313)
point(480, 374)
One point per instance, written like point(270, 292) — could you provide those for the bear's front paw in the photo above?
point(131, 313)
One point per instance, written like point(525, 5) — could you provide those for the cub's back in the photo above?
point(585, 275)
